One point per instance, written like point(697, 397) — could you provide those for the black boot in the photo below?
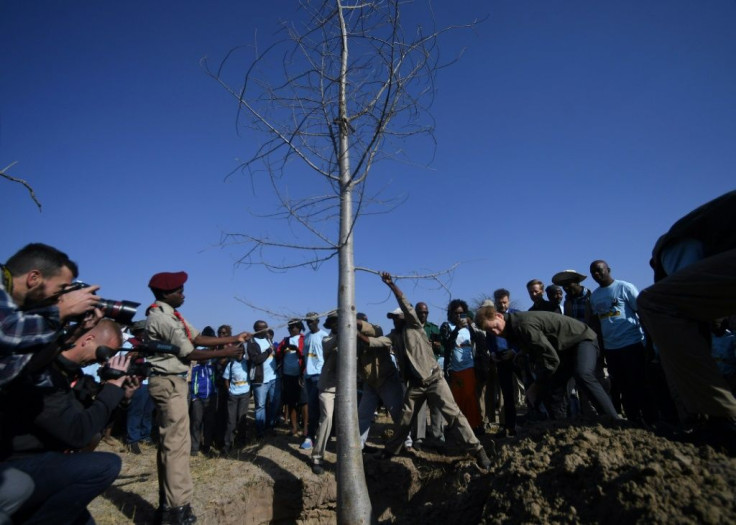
point(176, 515)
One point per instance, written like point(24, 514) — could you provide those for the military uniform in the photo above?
point(168, 389)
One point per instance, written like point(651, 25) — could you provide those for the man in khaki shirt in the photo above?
point(168, 389)
point(426, 382)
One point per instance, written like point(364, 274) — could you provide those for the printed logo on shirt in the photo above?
point(612, 311)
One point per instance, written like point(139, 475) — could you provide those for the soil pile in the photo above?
point(583, 473)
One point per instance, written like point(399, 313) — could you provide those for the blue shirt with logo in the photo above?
point(615, 307)
point(237, 373)
point(313, 352)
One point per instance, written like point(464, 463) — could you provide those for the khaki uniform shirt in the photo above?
point(374, 361)
point(416, 358)
point(328, 376)
point(163, 325)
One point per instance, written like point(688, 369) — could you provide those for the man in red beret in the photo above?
point(168, 388)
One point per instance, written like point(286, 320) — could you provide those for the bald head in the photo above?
point(422, 311)
point(601, 272)
point(106, 333)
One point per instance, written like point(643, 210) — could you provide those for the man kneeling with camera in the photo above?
point(49, 431)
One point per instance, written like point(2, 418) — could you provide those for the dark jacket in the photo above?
point(42, 412)
point(256, 358)
point(545, 306)
point(544, 335)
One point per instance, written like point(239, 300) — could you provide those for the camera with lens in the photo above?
point(137, 367)
point(120, 311)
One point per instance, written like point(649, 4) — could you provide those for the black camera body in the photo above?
point(138, 367)
point(121, 311)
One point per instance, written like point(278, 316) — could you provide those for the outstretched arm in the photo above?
point(386, 278)
point(410, 315)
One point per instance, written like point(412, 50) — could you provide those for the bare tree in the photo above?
point(337, 94)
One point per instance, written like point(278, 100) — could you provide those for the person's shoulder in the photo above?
point(159, 310)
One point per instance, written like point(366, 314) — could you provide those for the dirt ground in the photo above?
point(586, 472)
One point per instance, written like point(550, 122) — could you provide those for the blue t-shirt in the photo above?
point(269, 365)
point(291, 358)
point(462, 354)
point(313, 352)
point(615, 306)
point(237, 373)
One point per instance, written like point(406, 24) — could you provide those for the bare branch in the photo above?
point(3, 173)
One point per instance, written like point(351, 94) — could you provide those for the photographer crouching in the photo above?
point(32, 315)
point(47, 430)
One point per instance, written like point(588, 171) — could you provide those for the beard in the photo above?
point(36, 297)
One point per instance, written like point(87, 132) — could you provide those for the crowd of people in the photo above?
point(664, 356)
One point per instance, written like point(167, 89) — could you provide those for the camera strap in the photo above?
point(7, 281)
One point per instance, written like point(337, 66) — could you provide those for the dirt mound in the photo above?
point(584, 473)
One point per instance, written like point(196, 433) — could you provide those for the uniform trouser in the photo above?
point(174, 477)
point(419, 429)
point(676, 311)
point(326, 411)
point(237, 411)
point(64, 484)
point(434, 391)
point(391, 392)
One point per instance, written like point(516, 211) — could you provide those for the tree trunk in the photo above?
point(353, 502)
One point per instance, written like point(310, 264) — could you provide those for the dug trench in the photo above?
point(585, 472)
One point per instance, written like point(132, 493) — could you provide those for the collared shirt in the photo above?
point(20, 330)
point(376, 362)
point(545, 334)
point(163, 325)
point(415, 353)
point(578, 307)
point(328, 375)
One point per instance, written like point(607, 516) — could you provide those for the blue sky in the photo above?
point(567, 132)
